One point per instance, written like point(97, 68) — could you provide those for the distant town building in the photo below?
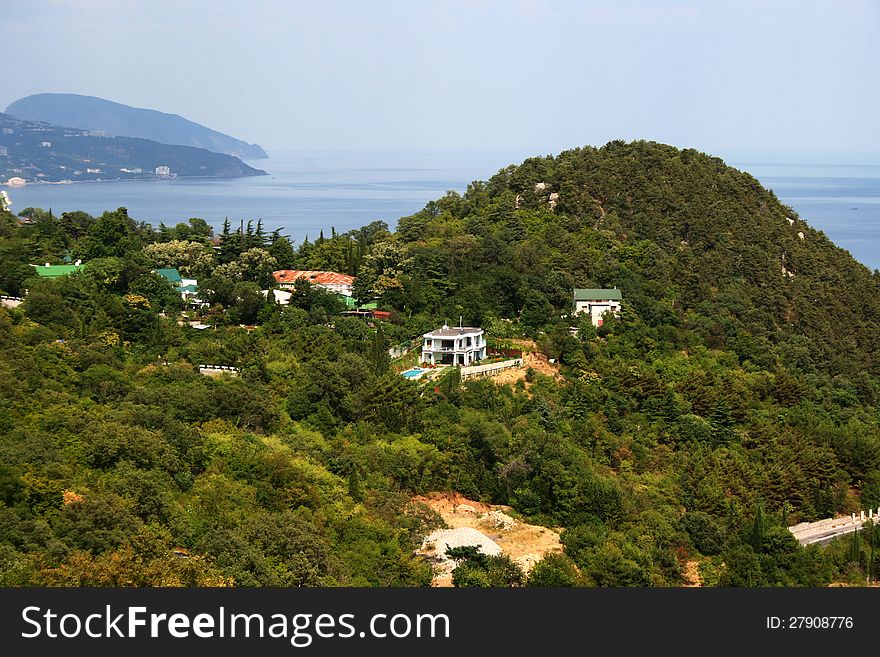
point(3, 151)
point(46, 144)
point(8, 131)
point(15, 181)
point(461, 345)
point(93, 171)
point(135, 170)
point(597, 302)
point(329, 280)
point(163, 170)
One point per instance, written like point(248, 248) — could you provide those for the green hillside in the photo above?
point(736, 394)
point(703, 252)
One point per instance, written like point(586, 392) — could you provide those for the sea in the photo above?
point(309, 192)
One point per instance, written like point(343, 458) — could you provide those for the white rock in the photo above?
point(442, 539)
point(499, 519)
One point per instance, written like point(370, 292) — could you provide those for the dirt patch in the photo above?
point(534, 359)
point(524, 543)
point(692, 574)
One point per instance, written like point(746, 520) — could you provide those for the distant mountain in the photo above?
point(116, 119)
point(42, 152)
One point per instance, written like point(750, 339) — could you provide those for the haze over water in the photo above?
point(306, 192)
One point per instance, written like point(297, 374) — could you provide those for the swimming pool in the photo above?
point(414, 372)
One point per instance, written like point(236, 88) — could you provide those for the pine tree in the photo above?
point(228, 249)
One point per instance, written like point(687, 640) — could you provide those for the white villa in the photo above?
point(597, 302)
point(454, 346)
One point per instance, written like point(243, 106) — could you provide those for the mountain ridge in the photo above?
point(33, 151)
point(118, 119)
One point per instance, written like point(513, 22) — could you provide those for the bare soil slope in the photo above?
point(524, 543)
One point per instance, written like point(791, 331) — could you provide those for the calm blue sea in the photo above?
point(843, 200)
point(307, 192)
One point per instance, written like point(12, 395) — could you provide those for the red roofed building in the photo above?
point(329, 280)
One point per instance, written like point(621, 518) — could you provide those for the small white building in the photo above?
point(45, 144)
point(463, 345)
point(282, 297)
point(597, 302)
point(4, 151)
point(163, 170)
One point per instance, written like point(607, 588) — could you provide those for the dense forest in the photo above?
point(736, 394)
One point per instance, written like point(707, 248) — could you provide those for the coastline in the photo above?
point(33, 183)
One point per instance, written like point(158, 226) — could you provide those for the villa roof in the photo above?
point(317, 277)
point(453, 332)
point(597, 294)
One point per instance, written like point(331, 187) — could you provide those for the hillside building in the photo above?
point(329, 280)
point(187, 288)
point(597, 302)
point(461, 346)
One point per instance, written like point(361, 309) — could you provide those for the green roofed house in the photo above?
point(54, 271)
point(187, 288)
point(169, 274)
point(597, 302)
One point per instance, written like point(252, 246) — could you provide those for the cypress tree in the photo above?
point(854, 551)
point(759, 528)
point(354, 486)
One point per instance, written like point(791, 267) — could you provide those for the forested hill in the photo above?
point(737, 393)
point(694, 244)
point(116, 119)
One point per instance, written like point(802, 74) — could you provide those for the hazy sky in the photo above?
point(527, 75)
